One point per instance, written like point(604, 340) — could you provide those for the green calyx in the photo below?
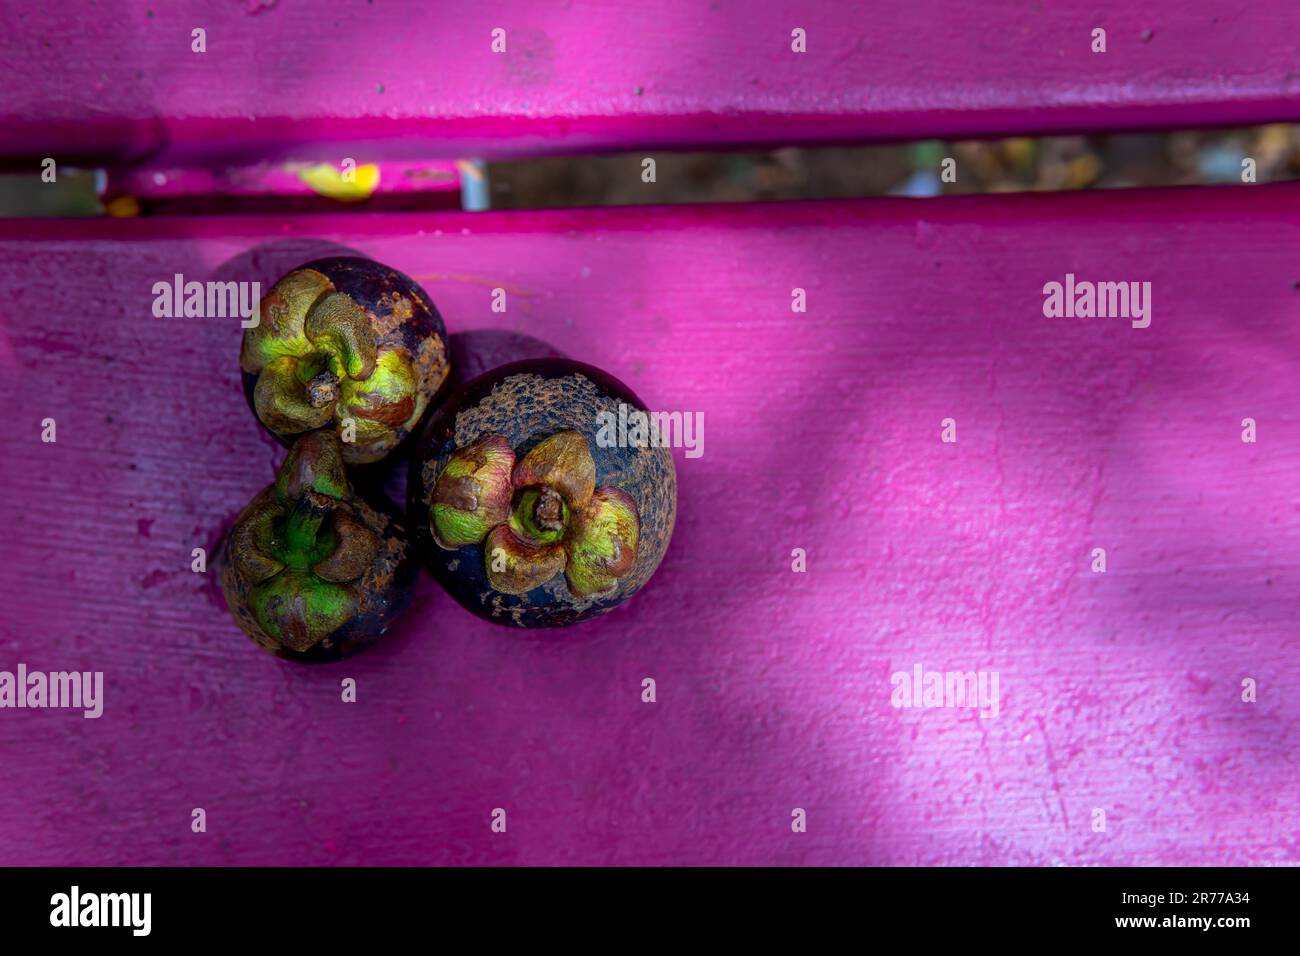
point(303, 537)
point(537, 518)
point(318, 361)
point(472, 494)
point(297, 610)
point(602, 547)
point(301, 547)
point(314, 463)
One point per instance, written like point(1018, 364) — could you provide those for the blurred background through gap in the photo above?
point(906, 169)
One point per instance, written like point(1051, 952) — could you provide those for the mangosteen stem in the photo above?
point(548, 510)
point(323, 389)
point(304, 521)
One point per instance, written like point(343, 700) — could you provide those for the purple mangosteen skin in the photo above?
point(527, 402)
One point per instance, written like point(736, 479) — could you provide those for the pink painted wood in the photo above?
point(404, 77)
point(1119, 691)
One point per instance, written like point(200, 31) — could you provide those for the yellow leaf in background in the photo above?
point(326, 180)
point(123, 207)
point(1272, 146)
point(1082, 171)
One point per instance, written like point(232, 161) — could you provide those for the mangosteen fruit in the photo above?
point(528, 507)
point(347, 344)
point(311, 571)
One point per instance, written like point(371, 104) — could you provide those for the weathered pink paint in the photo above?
point(321, 79)
point(1118, 691)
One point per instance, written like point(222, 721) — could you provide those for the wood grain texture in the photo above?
point(319, 79)
point(1118, 690)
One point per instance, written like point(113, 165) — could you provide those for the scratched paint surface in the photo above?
point(351, 77)
point(1119, 691)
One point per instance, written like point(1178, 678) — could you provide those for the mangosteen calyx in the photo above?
point(538, 517)
point(301, 550)
point(318, 361)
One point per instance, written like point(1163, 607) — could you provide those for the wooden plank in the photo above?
point(1118, 691)
point(409, 78)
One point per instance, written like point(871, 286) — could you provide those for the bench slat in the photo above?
point(414, 79)
point(1118, 690)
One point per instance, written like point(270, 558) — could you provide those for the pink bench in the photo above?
point(400, 78)
point(1119, 692)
